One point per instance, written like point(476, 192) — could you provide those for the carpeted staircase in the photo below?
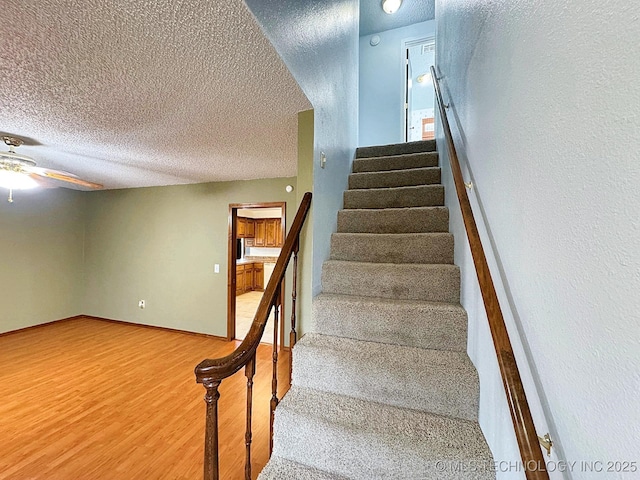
point(383, 387)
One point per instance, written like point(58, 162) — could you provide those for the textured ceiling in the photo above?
point(374, 20)
point(133, 93)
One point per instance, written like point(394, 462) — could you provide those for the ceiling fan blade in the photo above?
point(63, 176)
point(41, 181)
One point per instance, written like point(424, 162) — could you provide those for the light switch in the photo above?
point(216, 268)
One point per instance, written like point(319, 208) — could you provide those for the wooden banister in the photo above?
point(211, 372)
point(532, 458)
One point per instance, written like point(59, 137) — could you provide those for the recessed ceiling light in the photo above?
point(391, 6)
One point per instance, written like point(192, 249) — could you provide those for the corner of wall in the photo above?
point(305, 184)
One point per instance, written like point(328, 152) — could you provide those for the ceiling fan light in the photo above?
point(16, 180)
point(391, 6)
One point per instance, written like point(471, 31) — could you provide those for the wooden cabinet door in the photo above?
point(279, 236)
point(250, 231)
point(258, 276)
point(271, 238)
point(248, 277)
point(239, 279)
point(260, 233)
point(241, 227)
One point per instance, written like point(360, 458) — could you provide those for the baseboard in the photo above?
point(102, 319)
point(31, 327)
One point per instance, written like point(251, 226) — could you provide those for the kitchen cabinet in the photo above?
point(280, 240)
point(260, 232)
point(239, 279)
point(271, 237)
point(258, 276)
point(245, 227)
point(241, 227)
point(268, 233)
point(249, 276)
point(277, 241)
point(250, 231)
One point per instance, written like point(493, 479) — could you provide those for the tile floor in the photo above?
point(246, 306)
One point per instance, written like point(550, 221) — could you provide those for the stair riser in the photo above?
point(396, 149)
point(433, 283)
point(421, 326)
point(399, 178)
point(281, 469)
point(347, 451)
point(405, 220)
point(425, 248)
point(385, 164)
point(439, 382)
point(424, 196)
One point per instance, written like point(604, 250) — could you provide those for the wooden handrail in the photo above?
point(532, 459)
point(211, 372)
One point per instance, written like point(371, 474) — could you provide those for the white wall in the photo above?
point(41, 253)
point(546, 102)
point(382, 84)
point(318, 42)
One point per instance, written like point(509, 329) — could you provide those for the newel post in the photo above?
point(211, 467)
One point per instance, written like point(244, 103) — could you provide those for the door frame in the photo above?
point(406, 44)
point(231, 263)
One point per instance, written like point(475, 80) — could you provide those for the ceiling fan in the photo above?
point(19, 172)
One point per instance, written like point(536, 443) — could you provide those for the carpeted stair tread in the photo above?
point(395, 162)
point(394, 220)
point(366, 440)
point(396, 149)
point(382, 386)
point(280, 468)
point(393, 247)
point(413, 323)
point(395, 197)
point(436, 381)
point(395, 178)
point(435, 283)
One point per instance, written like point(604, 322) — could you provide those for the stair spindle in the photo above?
point(274, 379)
point(211, 372)
point(249, 372)
point(211, 397)
point(293, 336)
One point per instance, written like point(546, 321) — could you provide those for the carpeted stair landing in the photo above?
point(383, 387)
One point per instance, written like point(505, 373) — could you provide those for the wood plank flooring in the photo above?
point(86, 399)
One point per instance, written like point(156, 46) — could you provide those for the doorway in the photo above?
point(256, 235)
point(419, 95)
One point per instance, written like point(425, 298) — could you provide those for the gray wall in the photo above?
point(382, 83)
point(318, 42)
point(41, 250)
point(546, 105)
point(160, 244)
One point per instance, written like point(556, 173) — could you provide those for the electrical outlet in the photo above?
point(323, 160)
point(141, 304)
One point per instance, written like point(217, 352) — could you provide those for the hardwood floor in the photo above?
point(86, 399)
